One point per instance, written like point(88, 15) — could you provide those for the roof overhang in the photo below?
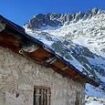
point(23, 44)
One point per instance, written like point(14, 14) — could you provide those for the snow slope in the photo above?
point(94, 101)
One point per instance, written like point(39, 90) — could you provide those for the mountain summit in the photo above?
point(78, 37)
point(55, 20)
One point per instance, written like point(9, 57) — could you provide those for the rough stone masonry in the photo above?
point(19, 75)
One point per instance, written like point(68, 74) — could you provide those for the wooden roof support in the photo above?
point(51, 60)
point(65, 68)
point(40, 54)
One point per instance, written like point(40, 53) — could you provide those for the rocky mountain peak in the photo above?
point(59, 19)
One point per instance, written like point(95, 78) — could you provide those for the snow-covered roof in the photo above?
point(31, 40)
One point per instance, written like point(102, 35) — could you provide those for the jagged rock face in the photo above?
point(55, 20)
point(42, 20)
point(78, 38)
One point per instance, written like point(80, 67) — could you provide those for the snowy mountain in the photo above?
point(94, 101)
point(79, 38)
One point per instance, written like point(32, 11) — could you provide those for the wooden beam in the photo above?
point(40, 54)
point(9, 41)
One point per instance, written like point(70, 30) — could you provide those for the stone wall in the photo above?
point(19, 75)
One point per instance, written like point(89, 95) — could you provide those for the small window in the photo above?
point(42, 96)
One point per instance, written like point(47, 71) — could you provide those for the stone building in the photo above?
point(37, 76)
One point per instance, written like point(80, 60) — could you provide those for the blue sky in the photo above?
point(20, 11)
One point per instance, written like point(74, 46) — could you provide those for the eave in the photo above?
point(14, 40)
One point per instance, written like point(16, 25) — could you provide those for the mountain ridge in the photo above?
point(59, 19)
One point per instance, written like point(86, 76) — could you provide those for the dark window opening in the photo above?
point(77, 101)
point(42, 96)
